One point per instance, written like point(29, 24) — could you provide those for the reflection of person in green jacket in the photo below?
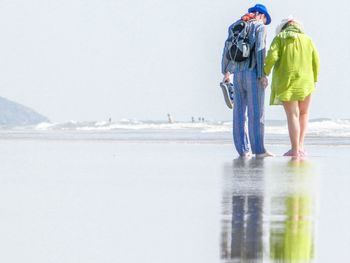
point(292, 240)
point(295, 242)
point(296, 65)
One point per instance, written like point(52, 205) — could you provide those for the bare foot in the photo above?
point(245, 155)
point(265, 154)
point(302, 153)
point(292, 153)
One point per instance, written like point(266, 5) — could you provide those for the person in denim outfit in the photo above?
point(249, 83)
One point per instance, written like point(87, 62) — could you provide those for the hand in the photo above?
point(264, 82)
point(227, 77)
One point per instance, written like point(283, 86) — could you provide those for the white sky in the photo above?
point(142, 59)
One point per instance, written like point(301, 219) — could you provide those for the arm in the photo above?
point(272, 56)
point(226, 65)
point(315, 62)
point(260, 50)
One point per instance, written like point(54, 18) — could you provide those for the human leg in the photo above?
point(303, 120)
point(292, 111)
point(240, 137)
point(255, 98)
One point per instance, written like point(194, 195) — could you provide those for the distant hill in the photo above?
point(14, 114)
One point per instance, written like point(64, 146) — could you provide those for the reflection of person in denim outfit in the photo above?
point(247, 213)
point(246, 238)
point(249, 85)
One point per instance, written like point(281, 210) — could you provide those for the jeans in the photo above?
point(248, 98)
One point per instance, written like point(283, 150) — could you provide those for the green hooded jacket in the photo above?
point(296, 65)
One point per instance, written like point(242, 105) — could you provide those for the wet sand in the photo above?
point(83, 201)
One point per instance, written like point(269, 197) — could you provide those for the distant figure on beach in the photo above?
point(170, 118)
point(193, 120)
point(243, 56)
point(295, 63)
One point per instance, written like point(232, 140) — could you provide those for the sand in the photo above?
point(111, 201)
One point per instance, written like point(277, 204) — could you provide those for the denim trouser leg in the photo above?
point(248, 95)
point(240, 101)
point(256, 96)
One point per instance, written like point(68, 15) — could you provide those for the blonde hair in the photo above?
point(289, 20)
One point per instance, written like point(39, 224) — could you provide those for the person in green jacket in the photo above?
point(295, 63)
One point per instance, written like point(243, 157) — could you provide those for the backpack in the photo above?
point(239, 48)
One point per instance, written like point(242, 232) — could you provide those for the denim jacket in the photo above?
point(257, 36)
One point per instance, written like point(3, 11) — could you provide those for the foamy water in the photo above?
point(322, 128)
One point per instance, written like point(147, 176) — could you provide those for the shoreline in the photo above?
point(181, 137)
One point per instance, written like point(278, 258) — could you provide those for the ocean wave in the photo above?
point(332, 128)
point(320, 127)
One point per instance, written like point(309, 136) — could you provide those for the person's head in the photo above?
point(285, 23)
point(261, 13)
point(261, 17)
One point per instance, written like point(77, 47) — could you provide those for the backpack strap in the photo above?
point(249, 24)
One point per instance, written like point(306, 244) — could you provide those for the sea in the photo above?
point(320, 131)
point(150, 191)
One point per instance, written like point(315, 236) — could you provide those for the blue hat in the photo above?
point(261, 9)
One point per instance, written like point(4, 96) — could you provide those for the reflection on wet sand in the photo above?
point(268, 211)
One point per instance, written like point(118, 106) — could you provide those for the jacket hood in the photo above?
point(291, 31)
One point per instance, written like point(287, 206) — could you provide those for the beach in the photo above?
point(116, 132)
point(103, 197)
